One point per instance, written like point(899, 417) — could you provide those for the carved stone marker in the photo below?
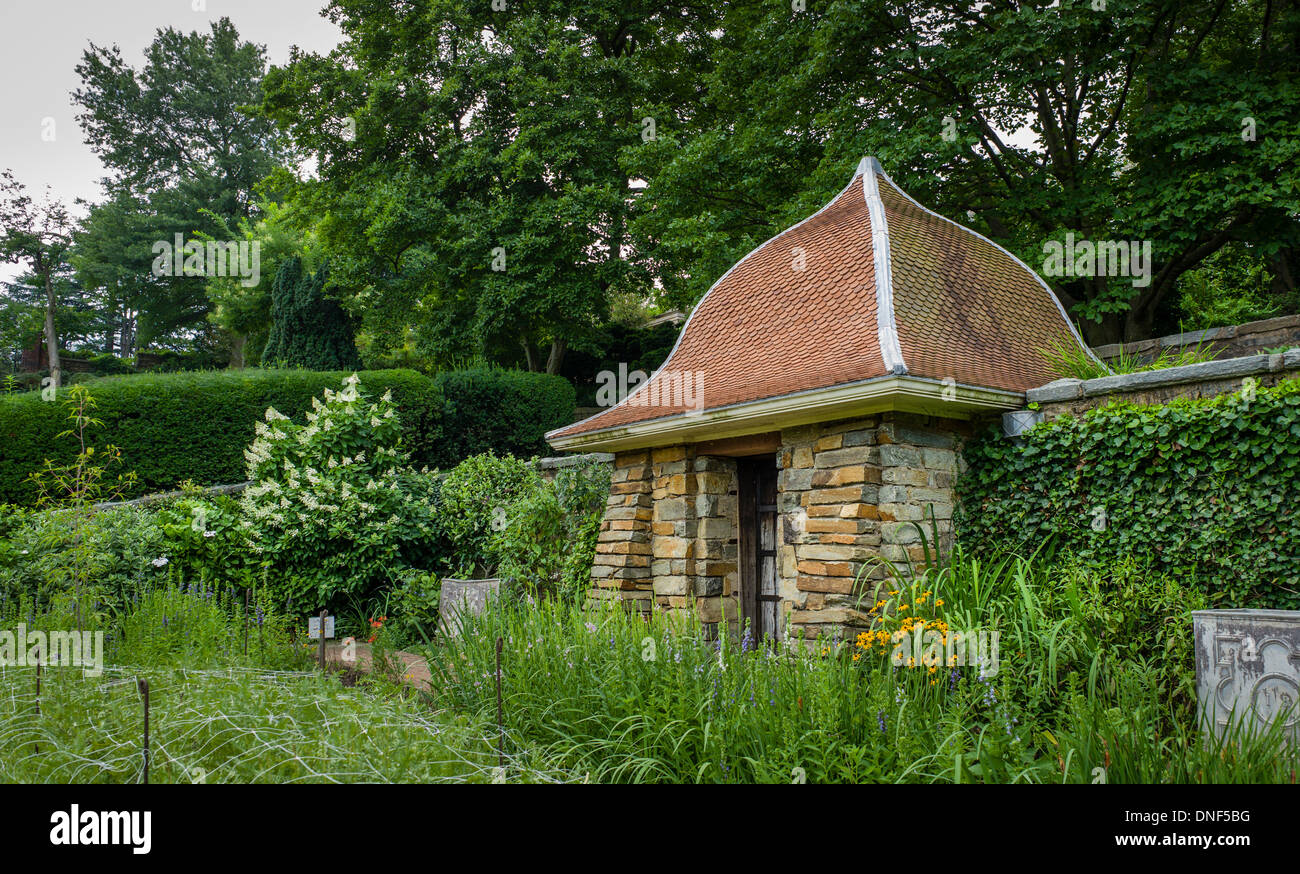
point(463, 598)
point(1248, 669)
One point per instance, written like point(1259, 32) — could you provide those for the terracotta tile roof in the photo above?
point(810, 309)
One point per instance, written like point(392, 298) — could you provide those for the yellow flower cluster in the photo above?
point(903, 620)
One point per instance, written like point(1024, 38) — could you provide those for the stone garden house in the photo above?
point(812, 411)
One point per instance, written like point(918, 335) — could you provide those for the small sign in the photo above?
point(313, 627)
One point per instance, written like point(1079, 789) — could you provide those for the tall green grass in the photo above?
point(1095, 673)
point(227, 726)
point(234, 699)
point(1068, 360)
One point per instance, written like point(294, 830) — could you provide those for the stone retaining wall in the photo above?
point(1234, 341)
point(549, 467)
point(1074, 396)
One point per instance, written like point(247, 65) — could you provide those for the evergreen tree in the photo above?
point(309, 329)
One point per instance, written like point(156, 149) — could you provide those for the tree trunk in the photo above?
point(51, 338)
point(556, 358)
point(128, 334)
point(530, 354)
point(237, 345)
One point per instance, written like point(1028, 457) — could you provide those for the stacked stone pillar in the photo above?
point(622, 565)
point(851, 496)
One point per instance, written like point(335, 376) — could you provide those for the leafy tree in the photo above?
point(20, 322)
point(471, 162)
point(185, 151)
point(308, 328)
point(37, 236)
point(243, 312)
point(112, 252)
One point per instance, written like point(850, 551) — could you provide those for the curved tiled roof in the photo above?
point(871, 285)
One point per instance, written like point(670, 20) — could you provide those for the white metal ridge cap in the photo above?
point(886, 324)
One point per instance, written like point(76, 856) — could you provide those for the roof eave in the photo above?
point(900, 393)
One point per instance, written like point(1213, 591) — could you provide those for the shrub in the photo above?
point(309, 328)
point(193, 426)
point(501, 411)
point(474, 503)
point(327, 505)
point(415, 608)
point(1203, 489)
point(202, 539)
point(117, 550)
point(549, 538)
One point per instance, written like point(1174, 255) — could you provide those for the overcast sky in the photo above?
point(41, 42)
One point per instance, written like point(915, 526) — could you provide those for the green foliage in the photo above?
point(414, 601)
point(204, 540)
point(502, 230)
point(246, 725)
point(193, 426)
point(549, 538)
point(78, 486)
point(309, 329)
point(980, 116)
point(185, 152)
point(605, 695)
point(201, 625)
point(1073, 362)
point(637, 348)
point(476, 498)
point(1201, 489)
point(42, 551)
point(329, 505)
point(1233, 286)
point(503, 411)
point(242, 311)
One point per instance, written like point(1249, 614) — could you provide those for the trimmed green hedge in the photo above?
point(501, 411)
point(1207, 489)
point(179, 426)
point(195, 425)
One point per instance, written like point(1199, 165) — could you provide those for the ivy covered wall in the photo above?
point(1208, 489)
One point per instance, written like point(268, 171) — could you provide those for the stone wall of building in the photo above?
point(668, 540)
point(621, 568)
point(852, 494)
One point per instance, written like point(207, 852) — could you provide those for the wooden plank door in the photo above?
point(760, 601)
